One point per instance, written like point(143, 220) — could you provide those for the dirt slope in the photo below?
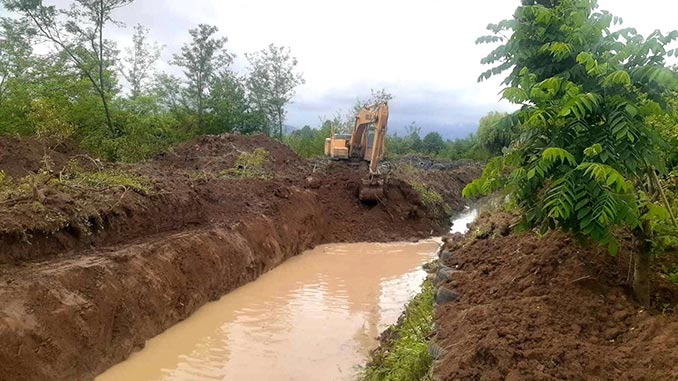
point(87, 276)
point(534, 308)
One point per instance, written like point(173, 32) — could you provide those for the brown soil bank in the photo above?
point(534, 308)
point(89, 270)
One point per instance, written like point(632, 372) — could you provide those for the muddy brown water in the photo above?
point(315, 317)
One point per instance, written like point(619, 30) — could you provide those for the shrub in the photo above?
point(250, 165)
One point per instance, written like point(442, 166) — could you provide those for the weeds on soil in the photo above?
point(405, 357)
point(250, 166)
point(429, 197)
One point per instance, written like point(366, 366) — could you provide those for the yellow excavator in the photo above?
point(365, 143)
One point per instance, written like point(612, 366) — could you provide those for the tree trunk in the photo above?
point(109, 120)
point(201, 123)
point(102, 85)
point(641, 270)
point(280, 125)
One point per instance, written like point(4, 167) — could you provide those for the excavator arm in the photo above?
point(372, 187)
point(360, 145)
point(379, 142)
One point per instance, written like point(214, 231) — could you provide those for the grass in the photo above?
point(430, 197)
point(70, 180)
point(110, 179)
point(405, 357)
point(249, 165)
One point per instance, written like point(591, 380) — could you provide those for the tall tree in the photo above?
point(139, 60)
point(15, 52)
point(203, 60)
point(79, 32)
point(230, 106)
point(272, 81)
point(585, 151)
point(494, 136)
point(433, 143)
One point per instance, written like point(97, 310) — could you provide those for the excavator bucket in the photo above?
point(371, 189)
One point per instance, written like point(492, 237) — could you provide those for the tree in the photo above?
point(667, 127)
point(376, 97)
point(413, 138)
point(272, 81)
point(309, 142)
point(139, 60)
point(15, 52)
point(203, 60)
point(433, 143)
point(492, 135)
point(585, 150)
point(79, 32)
point(231, 108)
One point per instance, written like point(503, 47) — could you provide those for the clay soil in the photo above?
point(88, 273)
point(546, 308)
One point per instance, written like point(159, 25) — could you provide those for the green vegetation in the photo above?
point(114, 102)
point(107, 179)
point(587, 156)
point(309, 142)
point(430, 197)
point(250, 165)
point(405, 355)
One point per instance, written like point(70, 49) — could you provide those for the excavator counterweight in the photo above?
point(366, 142)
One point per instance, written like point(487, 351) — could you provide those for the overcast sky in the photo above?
point(422, 51)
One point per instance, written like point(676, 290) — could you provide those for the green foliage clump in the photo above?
point(309, 142)
point(430, 198)
point(250, 165)
point(49, 123)
point(586, 93)
point(493, 135)
point(672, 275)
point(407, 358)
point(109, 179)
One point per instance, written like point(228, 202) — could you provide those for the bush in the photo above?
point(250, 165)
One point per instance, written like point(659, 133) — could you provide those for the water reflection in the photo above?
point(315, 317)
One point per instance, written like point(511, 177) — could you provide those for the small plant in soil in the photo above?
point(250, 165)
point(431, 198)
point(111, 179)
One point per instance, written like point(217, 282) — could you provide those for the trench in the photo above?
point(317, 316)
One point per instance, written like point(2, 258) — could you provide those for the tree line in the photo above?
point(488, 141)
point(116, 103)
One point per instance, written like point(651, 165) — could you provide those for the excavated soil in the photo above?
point(88, 274)
point(546, 308)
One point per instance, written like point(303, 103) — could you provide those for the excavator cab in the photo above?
point(336, 147)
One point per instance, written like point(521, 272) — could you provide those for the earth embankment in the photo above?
point(98, 257)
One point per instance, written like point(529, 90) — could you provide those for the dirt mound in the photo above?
point(219, 152)
point(351, 220)
point(534, 308)
point(18, 157)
